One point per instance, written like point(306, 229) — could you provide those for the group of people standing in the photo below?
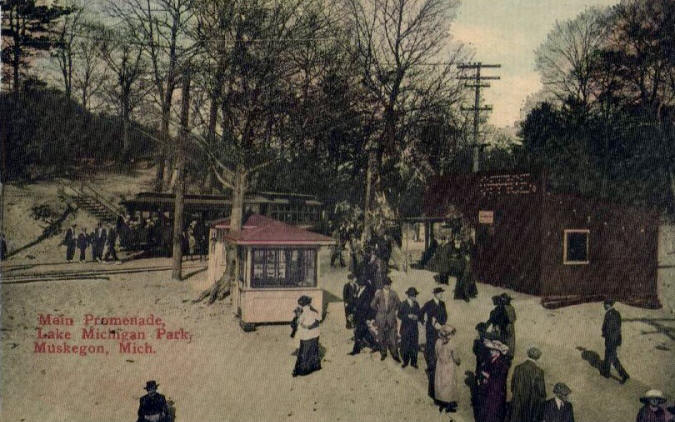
point(452, 257)
point(103, 241)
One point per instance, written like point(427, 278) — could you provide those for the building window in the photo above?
point(285, 268)
point(576, 247)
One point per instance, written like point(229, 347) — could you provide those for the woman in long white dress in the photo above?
point(308, 333)
point(447, 361)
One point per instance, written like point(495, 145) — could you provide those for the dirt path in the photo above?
point(223, 374)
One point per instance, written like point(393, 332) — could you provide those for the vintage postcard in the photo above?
point(337, 210)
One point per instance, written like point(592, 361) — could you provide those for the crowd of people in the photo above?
point(103, 243)
point(130, 234)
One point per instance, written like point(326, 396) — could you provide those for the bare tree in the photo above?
point(89, 71)
point(124, 58)
point(160, 26)
point(398, 42)
point(566, 59)
point(65, 32)
point(252, 45)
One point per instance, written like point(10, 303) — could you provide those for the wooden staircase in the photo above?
point(86, 197)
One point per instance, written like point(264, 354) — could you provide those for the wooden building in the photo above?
point(275, 263)
point(564, 248)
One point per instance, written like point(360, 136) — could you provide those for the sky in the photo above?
point(507, 32)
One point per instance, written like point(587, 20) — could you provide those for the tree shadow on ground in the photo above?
point(659, 325)
point(195, 272)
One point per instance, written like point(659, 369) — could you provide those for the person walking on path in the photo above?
point(153, 406)
point(349, 298)
point(493, 383)
point(652, 410)
point(528, 389)
point(308, 359)
point(409, 314)
point(498, 320)
point(611, 331)
point(386, 303)
point(111, 252)
point(482, 354)
point(558, 409)
point(435, 316)
point(445, 377)
point(70, 242)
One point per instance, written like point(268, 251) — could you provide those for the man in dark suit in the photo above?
point(111, 240)
point(348, 297)
point(528, 388)
point(409, 314)
point(101, 237)
point(385, 303)
point(69, 241)
point(153, 406)
point(435, 316)
point(558, 409)
point(611, 331)
point(82, 242)
point(362, 310)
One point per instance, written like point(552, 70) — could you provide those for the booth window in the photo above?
point(285, 268)
point(576, 247)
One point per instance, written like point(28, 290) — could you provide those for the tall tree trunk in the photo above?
point(126, 146)
point(238, 193)
point(371, 171)
point(176, 273)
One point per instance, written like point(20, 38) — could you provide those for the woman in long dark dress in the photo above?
point(493, 378)
point(308, 333)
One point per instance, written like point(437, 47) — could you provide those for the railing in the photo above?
point(83, 189)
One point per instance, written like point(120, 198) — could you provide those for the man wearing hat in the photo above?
point(348, 296)
point(509, 334)
point(153, 405)
point(435, 316)
point(611, 331)
point(652, 410)
point(558, 409)
point(528, 388)
point(409, 314)
point(386, 303)
point(362, 299)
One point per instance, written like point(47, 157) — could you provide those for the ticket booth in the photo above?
point(275, 264)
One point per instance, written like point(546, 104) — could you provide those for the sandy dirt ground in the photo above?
point(224, 374)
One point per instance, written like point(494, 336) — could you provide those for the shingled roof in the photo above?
point(261, 230)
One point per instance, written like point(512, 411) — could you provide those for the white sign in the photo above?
point(486, 217)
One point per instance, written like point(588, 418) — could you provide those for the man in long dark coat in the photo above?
point(409, 314)
point(153, 406)
point(70, 242)
point(482, 354)
point(435, 316)
point(611, 331)
point(111, 240)
point(385, 303)
point(528, 388)
point(362, 310)
point(82, 242)
point(509, 330)
point(348, 297)
point(558, 409)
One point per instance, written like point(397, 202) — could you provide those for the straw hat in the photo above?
point(304, 300)
point(653, 395)
point(446, 330)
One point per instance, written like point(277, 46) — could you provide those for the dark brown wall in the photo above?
point(623, 250)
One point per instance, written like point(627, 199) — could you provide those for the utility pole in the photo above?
point(477, 84)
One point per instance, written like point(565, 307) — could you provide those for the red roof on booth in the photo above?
point(261, 230)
